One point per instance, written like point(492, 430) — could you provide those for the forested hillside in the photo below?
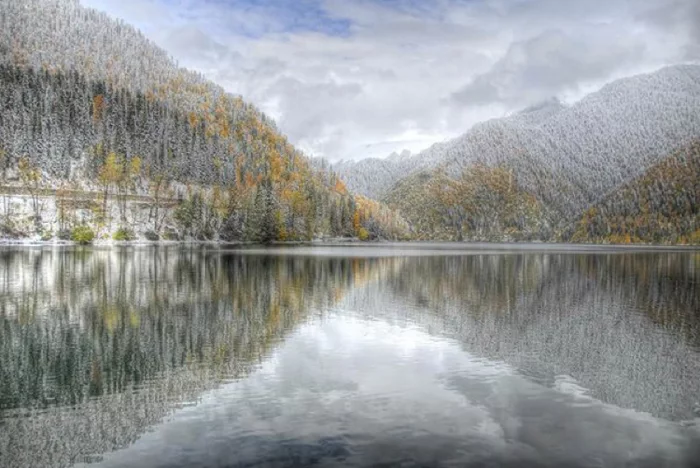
point(662, 205)
point(90, 106)
point(483, 204)
point(568, 156)
point(374, 177)
point(533, 175)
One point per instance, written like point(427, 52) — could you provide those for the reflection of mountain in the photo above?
point(97, 346)
point(344, 391)
point(100, 345)
point(624, 326)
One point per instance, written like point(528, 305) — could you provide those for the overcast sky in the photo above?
point(357, 78)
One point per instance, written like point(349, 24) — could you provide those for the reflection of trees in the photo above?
point(96, 346)
point(101, 344)
point(624, 325)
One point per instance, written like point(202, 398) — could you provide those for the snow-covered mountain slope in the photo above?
point(371, 177)
point(569, 156)
point(88, 105)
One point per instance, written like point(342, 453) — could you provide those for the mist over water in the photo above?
point(349, 357)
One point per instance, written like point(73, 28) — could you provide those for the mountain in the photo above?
point(102, 121)
point(569, 156)
point(564, 159)
point(371, 177)
point(397, 157)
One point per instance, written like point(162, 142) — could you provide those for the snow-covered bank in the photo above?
point(36, 241)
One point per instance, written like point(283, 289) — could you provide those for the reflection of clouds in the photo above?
point(369, 379)
point(98, 345)
point(371, 398)
point(624, 325)
point(402, 60)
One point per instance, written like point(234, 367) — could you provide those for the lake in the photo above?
point(383, 355)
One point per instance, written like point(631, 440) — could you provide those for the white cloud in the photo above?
point(341, 77)
point(552, 63)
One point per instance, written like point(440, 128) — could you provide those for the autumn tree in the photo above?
point(32, 180)
point(110, 174)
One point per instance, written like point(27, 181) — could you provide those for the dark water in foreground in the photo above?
point(173, 357)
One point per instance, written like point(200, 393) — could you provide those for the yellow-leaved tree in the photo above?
point(31, 178)
point(109, 175)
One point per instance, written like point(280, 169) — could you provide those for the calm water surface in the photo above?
point(349, 356)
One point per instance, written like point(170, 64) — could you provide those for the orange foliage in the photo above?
point(249, 181)
point(275, 166)
point(193, 119)
point(98, 107)
point(340, 187)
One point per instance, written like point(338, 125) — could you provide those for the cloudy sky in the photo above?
point(357, 78)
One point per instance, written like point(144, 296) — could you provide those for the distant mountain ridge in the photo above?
point(630, 123)
point(540, 112)
point(567, 157)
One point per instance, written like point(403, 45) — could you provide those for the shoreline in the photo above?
point(353, 242)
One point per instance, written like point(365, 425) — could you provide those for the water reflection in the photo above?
point(511, 357)
point(422, 402)
point(625, 325)
point(95, 346)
